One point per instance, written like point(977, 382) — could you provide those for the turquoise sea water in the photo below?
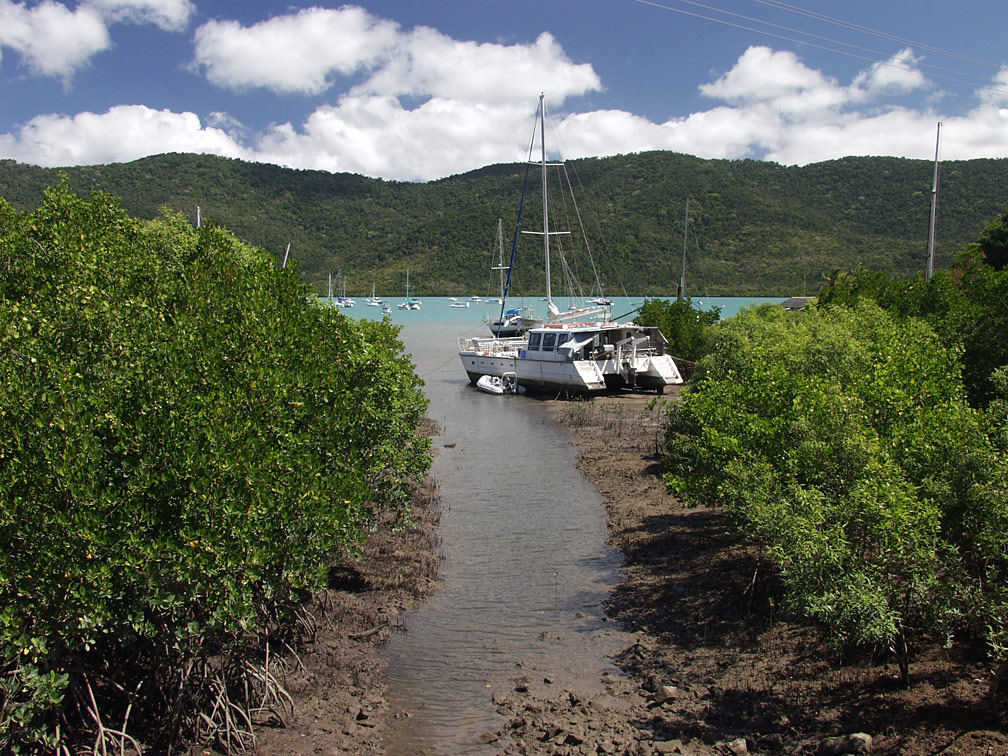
point(437, 310)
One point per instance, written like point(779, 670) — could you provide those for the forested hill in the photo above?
point(755, 227)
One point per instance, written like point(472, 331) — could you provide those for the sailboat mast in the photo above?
point(934, 202)
point(542, 144)
point(500, 252)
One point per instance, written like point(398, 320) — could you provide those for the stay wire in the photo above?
point(561, 148)
point(778, 4)
point(990, 84)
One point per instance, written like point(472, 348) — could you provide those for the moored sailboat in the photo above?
point(581, 351)
point(409, 303)
point(515, 321)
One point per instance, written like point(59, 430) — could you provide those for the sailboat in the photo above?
point(929, 270)
point(516, 320)
point(341, 300)
point(582, 351)
point(408, 303)
point(373, 301)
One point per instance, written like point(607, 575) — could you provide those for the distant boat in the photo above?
point(341, 300)
point(517, 320)
point(408, 303)
point(458, 304)
point(514, 322)
point(373, 301)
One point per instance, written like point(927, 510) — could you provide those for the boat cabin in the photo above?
point(590, 342)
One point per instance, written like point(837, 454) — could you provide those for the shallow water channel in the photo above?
point(525, 570)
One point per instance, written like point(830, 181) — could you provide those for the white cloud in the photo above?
point(778, 79)
point(897, 132)
point(377, 136)
point(895, 75)
point(800, 117)
point(997, 94)
point(426, 63)
point(123, 133)
point(303, 52)
point(719, 133)
point(294, 53)
point(170, 15)
point(52, 40)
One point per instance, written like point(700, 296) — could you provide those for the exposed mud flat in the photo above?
point(711, 668)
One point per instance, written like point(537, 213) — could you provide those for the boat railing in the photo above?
point(489, 344)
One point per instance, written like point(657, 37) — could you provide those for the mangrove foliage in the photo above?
point(187, 442)
point(864, 444)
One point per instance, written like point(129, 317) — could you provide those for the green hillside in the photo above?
point(755, 227)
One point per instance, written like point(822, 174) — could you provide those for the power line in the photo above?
point(874, 32)
point(986, 83)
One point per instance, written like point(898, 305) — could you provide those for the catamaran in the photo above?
point(582, 351)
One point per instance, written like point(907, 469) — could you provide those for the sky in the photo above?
point(417, 90)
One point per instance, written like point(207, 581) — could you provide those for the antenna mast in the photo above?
point(682, 277)
point(934, 201)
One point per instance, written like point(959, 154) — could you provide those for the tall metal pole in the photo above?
point(682, 277)
point(934, 202)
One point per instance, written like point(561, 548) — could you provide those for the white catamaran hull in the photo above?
point(578, 352)
point(556, 373)
point(581, 377)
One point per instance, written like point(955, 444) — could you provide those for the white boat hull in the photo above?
point(492, 384)
point(579, 377)
point(559, 372)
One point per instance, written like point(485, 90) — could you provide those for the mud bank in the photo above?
point(714, 669)
point(711, 668)
point(337, 682)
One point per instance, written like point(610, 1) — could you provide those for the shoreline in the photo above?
point(338, 681)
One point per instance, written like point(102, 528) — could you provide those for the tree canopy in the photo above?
point(756, 228)
point(186, 441)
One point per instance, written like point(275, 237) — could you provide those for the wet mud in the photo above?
point(710, 666)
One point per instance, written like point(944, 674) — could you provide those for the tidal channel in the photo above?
point(526, 568)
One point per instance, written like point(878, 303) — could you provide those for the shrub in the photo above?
point(687, 329)
point(186, 441)
point(841, 439)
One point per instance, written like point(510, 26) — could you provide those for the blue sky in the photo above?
point(420, 89)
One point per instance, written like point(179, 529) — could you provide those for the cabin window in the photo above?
point(548, 342)
point(563, 337)
point(533, 342)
